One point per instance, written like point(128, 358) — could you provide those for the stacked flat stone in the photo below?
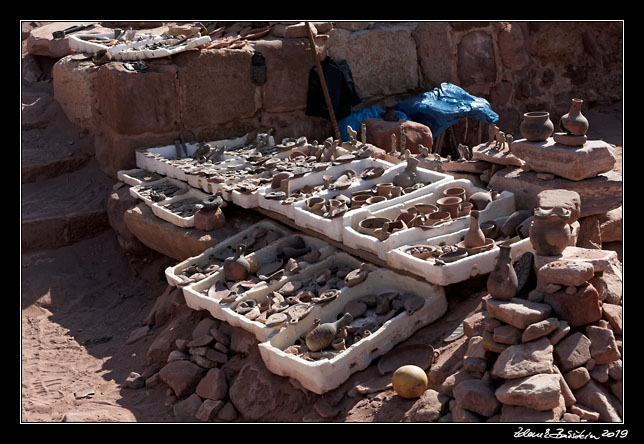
point(551, 356)
point(196, 382)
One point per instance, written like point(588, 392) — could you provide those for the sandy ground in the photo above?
point(79, 304)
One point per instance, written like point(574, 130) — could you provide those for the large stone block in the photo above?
point(73, 90)
point(476, 60)
point(383, 61)
point(434, 53)
point(579, 308)
point(539, 392)
point(572, 163)
point(598, 195)
point(133, 103)
point(215, 86)
point(288, 63)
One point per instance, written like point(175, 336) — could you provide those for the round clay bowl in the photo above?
point(488, 245)
point(421, 355)
point(453, 256)
point(359, 200)
point(425, 208)
point(438, 217)
point(429, 249)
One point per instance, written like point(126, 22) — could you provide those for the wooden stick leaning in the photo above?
point(327, 99)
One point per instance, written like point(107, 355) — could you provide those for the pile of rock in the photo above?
point(553, 354)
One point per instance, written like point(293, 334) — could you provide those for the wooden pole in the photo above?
point(327, 99)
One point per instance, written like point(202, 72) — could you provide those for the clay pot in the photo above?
point(384, 189)
point(450, 204)
point(315, 204)
point(396, 192)
point(465, 209)
point(474, 236)
point(438, 217)
point(209, 218)
point(359, 200)
point(502, 283)
point(550, 233)
point(277, 182)
point(407, 177)
point(455, 192)
point(421, 251)
point(536, 126)
point(406, 217)
point(370, 224)
point(236, 268)
point(323, 335)
point(489, 228)
point(574, 122)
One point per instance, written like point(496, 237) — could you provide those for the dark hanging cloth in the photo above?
point(339, 83)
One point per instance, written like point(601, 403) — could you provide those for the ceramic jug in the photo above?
point(574, 122)
point(236, 267)
point(550, 233)
point(323, 335)
point(474, 236)
point(502, 283)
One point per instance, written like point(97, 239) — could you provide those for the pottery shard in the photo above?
point(518, 361)
point(182, 376)
point(572, 352)
point(476, 396)
point(379, 134)
point(565, 272)
point(567, 199)
point(603, 347)
point(579, 308)
point(518, 312)
point(539, 329)
point(213, 385)
point(540, 392)
point(572, 163)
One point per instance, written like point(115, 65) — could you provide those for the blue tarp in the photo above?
point(444, 106)
point(438, 109)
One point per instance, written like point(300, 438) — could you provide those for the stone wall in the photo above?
point(209, 94)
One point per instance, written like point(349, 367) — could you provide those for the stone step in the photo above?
point(64, 209)
point(50, 144)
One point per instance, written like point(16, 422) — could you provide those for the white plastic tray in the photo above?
point(452, 272)
point(172, 273)
point(326, 374)
point(314, 178)
point(261, 331)
point(334, 228)
point(133, 50)
point(175, 219)
point(129, 177)
point(134, 191)
point(196, 294)
point(503, 205)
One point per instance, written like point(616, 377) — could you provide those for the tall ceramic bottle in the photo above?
point(474, 236)
point(574, 122)
point(502, 283)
